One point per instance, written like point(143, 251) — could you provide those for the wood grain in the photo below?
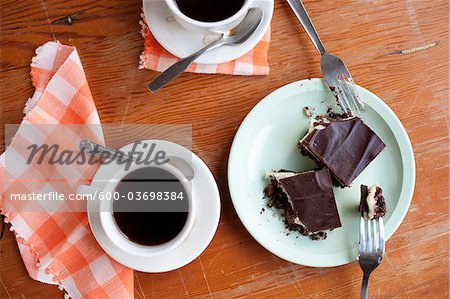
point(398, 49)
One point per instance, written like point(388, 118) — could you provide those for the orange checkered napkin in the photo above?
point(58, 247)
point(156, 58)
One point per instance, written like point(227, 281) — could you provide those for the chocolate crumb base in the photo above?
point(275, 195)
point(290, 224)
point(334, 115)
point(380, 206)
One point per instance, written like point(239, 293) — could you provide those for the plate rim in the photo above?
point(399, 133)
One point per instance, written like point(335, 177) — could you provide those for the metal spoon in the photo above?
point(88, 147)
point(235, 36)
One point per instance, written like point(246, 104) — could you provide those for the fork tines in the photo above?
point(371, 238)
point(346, 95)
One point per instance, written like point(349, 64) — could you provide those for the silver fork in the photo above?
point(370, 250)
point(333, 68)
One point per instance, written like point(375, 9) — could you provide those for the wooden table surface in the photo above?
point(396, 48)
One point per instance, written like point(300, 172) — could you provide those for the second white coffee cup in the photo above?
point(208, 27)
point(106, 210)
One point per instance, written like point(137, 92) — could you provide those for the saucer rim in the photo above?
point(210, 58)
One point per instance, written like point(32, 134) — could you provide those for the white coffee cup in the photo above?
point(208, 27)
point(105, 209)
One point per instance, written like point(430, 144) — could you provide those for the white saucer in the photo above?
point(204, 190)
point(181, 42)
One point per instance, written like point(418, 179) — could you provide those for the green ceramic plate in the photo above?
point(267, 140)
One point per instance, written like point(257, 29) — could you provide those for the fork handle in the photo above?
point(303, 17)
point(364, 287)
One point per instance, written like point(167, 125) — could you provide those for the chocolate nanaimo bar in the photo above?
point(308, 201)
point(343, 145)
point(372, 204)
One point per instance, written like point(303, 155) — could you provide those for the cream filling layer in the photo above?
point(312, 127)
point(279, 175)
point(371, 201)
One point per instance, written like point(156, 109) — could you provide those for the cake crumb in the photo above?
point(309, 111)
point(329, 109)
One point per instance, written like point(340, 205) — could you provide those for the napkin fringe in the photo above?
point(144, 34)
point(36, 63)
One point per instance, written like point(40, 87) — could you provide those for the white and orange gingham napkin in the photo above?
point(58, 247)
point(156, 58)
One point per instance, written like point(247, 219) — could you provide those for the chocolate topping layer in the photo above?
point(312, 199)
point(363, 206)
point(345, 146)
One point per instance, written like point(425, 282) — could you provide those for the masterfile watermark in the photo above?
point(47, 168)
point(52, 154)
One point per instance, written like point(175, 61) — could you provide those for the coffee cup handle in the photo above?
point(184, 167)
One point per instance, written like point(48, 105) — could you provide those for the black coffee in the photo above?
point(209, 10)
point(159, 215)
